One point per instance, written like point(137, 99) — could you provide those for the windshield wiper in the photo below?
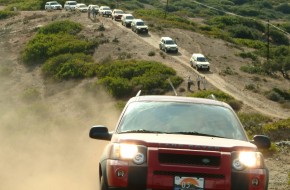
point(195, 133)
point(140, 131)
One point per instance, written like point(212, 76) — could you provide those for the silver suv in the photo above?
point(139, 26)
point(126, 19)
point(199, 62)
point(70, 5)
point(105, 11)
point(52, 5)
point(166, 44)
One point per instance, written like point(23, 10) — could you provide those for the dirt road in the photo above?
point(44, 142)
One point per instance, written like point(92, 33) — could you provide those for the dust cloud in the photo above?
point(44, 141)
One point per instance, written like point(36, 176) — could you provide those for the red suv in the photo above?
point(180, 143)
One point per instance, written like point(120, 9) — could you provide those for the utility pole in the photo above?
point(268, 42)
point(166, 8)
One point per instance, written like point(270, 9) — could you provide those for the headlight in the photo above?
point(136, 153)
point(242, 160)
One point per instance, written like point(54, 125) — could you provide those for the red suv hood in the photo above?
point(184, 142)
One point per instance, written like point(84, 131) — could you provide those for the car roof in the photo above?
point(181, 99)
point(166, 38)
point(138, 20)
point(198, 54)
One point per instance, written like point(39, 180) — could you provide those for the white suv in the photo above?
point(105, 11)
point(139, 26)
point(168, 45)
point(199, 61)
point(70, 5)
point(126, 19)
point(52, 5)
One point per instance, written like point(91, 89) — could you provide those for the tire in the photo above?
point(103, 185)
point(165, 50)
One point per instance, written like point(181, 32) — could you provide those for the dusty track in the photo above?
point(45, 142)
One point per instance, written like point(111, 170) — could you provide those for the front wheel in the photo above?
point(103, 185)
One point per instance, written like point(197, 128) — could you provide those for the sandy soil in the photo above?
point(43, 140)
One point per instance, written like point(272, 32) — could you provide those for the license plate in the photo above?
point(188, 183)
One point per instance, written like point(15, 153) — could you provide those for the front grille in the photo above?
point(204, 175)
point(182, 159)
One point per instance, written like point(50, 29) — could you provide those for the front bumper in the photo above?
point(107, 13)
point(142, 30)
point(172, 49)
point(202, 66)
point(163, 166)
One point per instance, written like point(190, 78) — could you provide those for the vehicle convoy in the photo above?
point(199, 62)
point(127, 19)
point(52, 5)
point(138, 26)
point(105, 11)
point(178, 143)
point(167, 44)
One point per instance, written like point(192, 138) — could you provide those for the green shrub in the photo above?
point(253, 122)
point(279, 130)
point(244, 32)
point(249, 55)
point(25, 5)
point(42, 47)
point(151, 53)
point(235, 104)
point(54, 39)
point(284, 8)
point(252, 69)
point(6, 14)
point(256, 44)
point(227, 71)
point(219, 95)
point(69, 66)
point(285, 94)
point(274, 96)
point(65, 26)
point(101, 27)
point(149, 76)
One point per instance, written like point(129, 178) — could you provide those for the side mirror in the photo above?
point(100, 132)
point(262, 141)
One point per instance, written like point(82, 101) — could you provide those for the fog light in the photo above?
point(120, 173)
point(255, 181)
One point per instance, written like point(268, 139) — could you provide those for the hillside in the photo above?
point(60, 102)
